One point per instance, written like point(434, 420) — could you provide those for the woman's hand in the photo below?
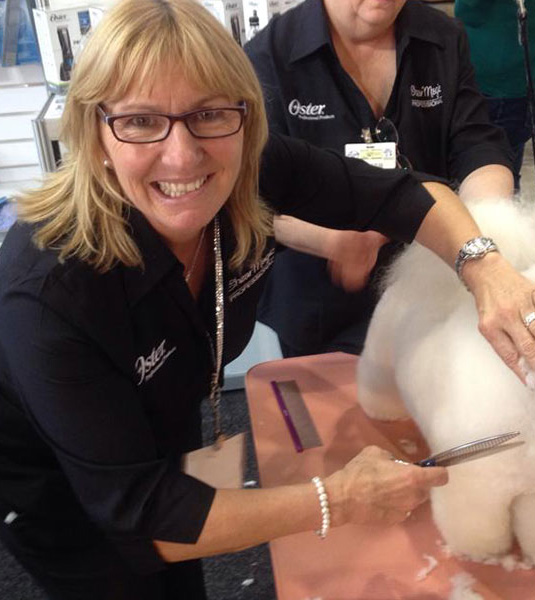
point(352, 255)
point(504, 298)
point(373, 489)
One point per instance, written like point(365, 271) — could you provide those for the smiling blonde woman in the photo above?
point(133, 277)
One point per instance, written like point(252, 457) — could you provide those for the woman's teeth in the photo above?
point(178, 189)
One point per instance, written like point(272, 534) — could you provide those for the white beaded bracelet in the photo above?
point(324, 506)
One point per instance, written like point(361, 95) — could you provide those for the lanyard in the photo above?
point(215, 388)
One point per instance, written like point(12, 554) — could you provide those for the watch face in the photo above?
point(474, 247)
point(477, 246)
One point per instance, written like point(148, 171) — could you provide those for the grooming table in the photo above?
point(355, 562)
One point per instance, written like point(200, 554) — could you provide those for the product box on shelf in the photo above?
point(287, 4)
point(257, 13)
point(66, 4)
point(230, 13)
point(60, 35)
point(95, 15)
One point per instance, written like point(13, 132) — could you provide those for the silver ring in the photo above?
point(529, 319)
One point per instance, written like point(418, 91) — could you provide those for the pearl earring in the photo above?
point(107, 163)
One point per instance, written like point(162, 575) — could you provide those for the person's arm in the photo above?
point(371, 489)
point(353, 254)
point(350, 269)
point(490, 181)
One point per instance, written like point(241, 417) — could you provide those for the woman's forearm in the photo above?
point(490, 181)
point(447, 225)
point(241, 519)
point(316, 240)
point(370, 489)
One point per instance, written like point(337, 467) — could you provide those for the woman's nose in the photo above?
point(181, 147)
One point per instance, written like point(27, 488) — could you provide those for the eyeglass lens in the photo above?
point(385, 131)
point(203, 123)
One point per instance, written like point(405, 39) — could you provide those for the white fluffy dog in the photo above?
point(425, 358)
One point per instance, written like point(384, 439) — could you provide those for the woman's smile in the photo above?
point(177, 189)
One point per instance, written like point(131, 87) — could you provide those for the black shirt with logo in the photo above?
point(438, 112)
point(102, 375)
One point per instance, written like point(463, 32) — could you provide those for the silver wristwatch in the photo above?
point(473, 249)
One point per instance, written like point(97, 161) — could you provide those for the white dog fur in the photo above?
point(425, 358)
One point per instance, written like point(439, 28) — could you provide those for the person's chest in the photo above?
point(320, 101)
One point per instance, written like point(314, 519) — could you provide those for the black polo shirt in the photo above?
point(101, 375)
point(440, 116)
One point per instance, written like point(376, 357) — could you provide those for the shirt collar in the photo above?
point(314, 32)
point(158, 260)
point(414, 22)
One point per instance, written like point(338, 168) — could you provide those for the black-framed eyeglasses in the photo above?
point(385, 131)
point(203, 123)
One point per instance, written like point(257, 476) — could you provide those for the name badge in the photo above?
point(378, 154)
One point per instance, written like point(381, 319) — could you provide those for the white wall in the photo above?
point(22, 95)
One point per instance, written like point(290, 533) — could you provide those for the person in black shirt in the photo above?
point(340, 72)
point(133, 276)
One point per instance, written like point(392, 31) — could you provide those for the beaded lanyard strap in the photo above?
point(217, 353)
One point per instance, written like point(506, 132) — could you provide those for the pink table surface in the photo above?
point(354, 562)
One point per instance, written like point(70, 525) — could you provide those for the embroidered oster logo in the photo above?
point(309, 111)
point(146, 366)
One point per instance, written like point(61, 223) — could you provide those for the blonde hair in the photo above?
point(81, 209)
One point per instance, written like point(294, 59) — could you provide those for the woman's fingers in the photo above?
point(379, 490)
point(505, 303)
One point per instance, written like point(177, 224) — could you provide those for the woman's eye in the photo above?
point(209, 115)
point(140, 121)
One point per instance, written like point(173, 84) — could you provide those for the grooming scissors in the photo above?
point(471, 450)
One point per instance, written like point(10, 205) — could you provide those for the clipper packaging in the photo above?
point(257, 13)
point(230, 13)
point(287, 4)
point(60, 35)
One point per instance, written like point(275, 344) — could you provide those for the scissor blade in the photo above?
point(478, 448)
point(477, 454)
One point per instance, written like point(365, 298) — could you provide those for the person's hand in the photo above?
point(373, 489)
point(504, 300)
point(353, 255)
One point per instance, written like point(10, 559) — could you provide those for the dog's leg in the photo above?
point(474, 521)
point(524, 524)
point(377, 392)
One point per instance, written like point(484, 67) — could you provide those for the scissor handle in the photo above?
point(427, 462)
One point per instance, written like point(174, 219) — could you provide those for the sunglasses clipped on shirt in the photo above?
point(203, 123)
point(385, 131)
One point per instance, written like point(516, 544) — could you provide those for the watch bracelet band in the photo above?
point(465, 254)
